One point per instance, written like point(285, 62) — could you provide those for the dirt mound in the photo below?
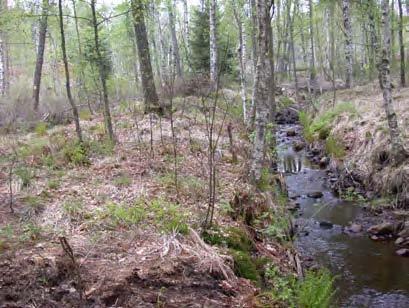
point(170, 272)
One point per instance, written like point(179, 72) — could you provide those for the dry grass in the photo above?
point(366, 137)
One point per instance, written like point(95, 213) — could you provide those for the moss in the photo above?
point(244, 266)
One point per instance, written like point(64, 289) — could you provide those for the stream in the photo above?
point(368, 273)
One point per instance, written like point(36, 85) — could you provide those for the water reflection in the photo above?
point(369, 274)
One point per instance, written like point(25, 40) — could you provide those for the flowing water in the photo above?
point(369, 274)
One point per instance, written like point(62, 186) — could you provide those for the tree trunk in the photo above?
point(175, 45)
point(213, 42)
point(186, 30)
point(2, 68)
point(242, 59)
point(348, 41)
point(398, 151)
point(294, 63)
point(313, 72)
point(262, 83)
point(102, 75)
point(254, 55)
point(401, 46)
point(151, 98)
point(40, 54)
point(67, 74)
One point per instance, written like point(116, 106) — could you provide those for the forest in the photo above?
point(204, 153)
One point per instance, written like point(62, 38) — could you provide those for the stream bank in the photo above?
point(332, 232)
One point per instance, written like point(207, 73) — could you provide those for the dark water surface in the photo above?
point(369, 274)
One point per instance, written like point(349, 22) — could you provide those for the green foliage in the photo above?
point(200, 45)
point(103, 148)
point(121, 215)
point(25, 174)
point(123, 180)
point(316, 290)
point(244, 266)
point(322, 123)
point(31, 232)
point(53, 183)
point(190, 186)
point(334, 147)
point(41, 129)
point(75, 153)
point(285, 101)
point(85, 115)
point(265, 180)
point(169, 217)
point(351, 195)
point(74, 208)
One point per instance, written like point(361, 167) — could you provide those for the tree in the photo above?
point(348, 41)
point(213, 42)
point(67, 74)
point(401, 46)
point(398, 151)
point(151, 98)
point(313, 72)
point(175, 45)
point(103, 73)
point(40, 54)
point(262, 83)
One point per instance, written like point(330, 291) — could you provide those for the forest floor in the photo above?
point(105, 226)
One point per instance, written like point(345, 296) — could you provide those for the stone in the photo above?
point(324, 162)
point(326, 225)
point(315, 151)
point(405, 230)
point(374, 238)
point(315, 194)
point(291, 133)
point(298, 146)
point(404, 252)
point(385, 228)
point(399, 241)
point(355, 228)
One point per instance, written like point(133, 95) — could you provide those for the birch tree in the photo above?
point(398, 151)
point(175, 44)
point(262, 84)
point(346, 14)
point(213, 42)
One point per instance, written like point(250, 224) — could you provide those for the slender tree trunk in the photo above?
point(401, 46)
point(2, 68)
point(398, 151)
point(40, 54)
point(151, 98)
point(102, 75)
point(291, 26)
point(242, 59)
point(5, 56)
point(313, 72)
point(175, 45)
point(67, 74)
point(254, 56)
point(348, 41)
point(186, 29)
point(263, 81)
point(213, 42)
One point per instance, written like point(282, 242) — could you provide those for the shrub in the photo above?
point(41, 129)
point(334, 147)
point(75, 153)
point(316, 290)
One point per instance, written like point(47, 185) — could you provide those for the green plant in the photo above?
point(334, 147)
point(169, 217)
point(244, 265)
point(53, 183)
point(41, 129)
point(283, 287)
point(76, 153)
point(123, 180)
point(74, 208)
point(31, 232)
point(264, 183)
point(316, 290)
point(126, 216)
point(105, 147)
point(25, 174)
point(85, 115)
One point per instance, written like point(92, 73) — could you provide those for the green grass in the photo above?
point(334, 147)
point(85, 115)
point(123, 180)
point(41, 129)
point(322, 124)
point(316, 290)
point(126, 216)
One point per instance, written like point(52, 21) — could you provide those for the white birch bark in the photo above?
point(348, 41)
point(213, 42)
